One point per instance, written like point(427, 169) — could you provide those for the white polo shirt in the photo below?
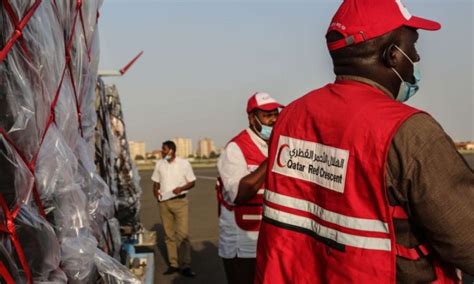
point(232, 167)
point(172, 175)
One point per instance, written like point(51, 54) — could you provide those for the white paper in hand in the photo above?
point(169, 194)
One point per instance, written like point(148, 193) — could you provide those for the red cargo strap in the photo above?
point(17, 35)
point(5, 274)
point(412, 253)
point(31, 167)
point(10, 218)
point(19, 26)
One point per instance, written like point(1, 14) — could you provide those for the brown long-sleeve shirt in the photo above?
point(432, 181)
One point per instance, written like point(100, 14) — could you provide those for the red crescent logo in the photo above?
point(282, 147)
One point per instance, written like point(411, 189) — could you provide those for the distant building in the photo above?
point(184, 147)
point(137, 148)
point(157, 154)
point(206, 147)
point(154, 155)
point(465, 145)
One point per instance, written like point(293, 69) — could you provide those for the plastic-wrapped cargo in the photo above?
point(9, 270)
point(112, 271)
point(105, 140)
point(55, 210)
point(113, 156)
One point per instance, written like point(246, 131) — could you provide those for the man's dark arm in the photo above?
point(251, 183)
point(436, 186)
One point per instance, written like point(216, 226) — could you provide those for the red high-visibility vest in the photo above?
point(326, 214)
point(249, 214)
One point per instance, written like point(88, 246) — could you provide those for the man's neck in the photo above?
point(366, 81)
point(380, 76)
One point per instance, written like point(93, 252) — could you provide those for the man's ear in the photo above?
point(391, 57)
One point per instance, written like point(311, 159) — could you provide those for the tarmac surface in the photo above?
point(203, 227)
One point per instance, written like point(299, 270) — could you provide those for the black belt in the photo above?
point(178, 197)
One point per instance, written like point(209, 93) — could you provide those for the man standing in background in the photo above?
point(242, 169)
point(173, 177)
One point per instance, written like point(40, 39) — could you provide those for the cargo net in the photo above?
point(113, 156)
point(56, 213)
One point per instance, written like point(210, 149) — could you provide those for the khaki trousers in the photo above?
point(174, 217)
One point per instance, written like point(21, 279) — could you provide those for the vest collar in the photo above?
point(261, 144)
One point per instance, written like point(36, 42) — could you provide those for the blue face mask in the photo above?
point(265, 130)
point(407, 89)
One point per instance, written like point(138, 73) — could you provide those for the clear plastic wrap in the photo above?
point(119, 170)
point(105, 153)
point(16, 181)
point(101, 204)
point(55, 209)
point(112, 227)
point(111, 271)
point(56, 167)
point(66, 113)
point(36, 237)
point(9, 263)
point(22, 110)
point(88, 97)
point(39, 243)
point(78, 257)
point(61, 188)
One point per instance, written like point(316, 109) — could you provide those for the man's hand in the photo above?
point(177, 191)
point(157, 194)
point(181, 189)
point(250, 184)
point(156, 191)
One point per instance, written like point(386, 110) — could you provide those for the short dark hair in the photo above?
point(170, 144)
point(362, 52)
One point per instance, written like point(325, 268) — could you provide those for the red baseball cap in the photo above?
point(361, 20)
point(262, 101)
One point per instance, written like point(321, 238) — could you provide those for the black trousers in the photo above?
point(239, 270)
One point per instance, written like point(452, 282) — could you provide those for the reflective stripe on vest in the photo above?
point(326, 215)
point(251, 217)
point(325, 232)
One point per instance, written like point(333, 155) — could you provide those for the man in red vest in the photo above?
point(242, 167)
point(362, 188)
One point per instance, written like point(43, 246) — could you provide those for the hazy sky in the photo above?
point(203, 59)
